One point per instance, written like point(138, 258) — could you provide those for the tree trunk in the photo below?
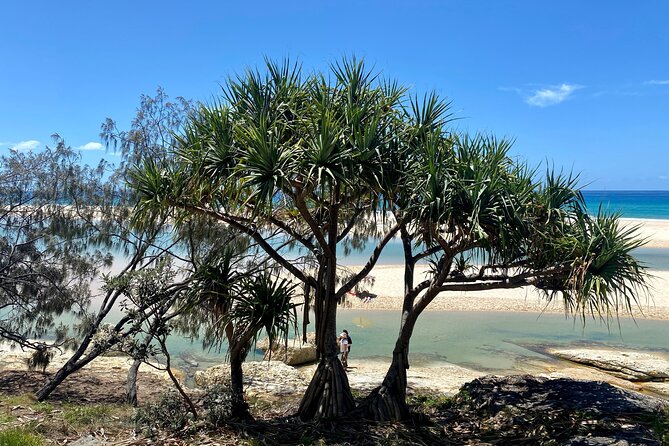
point(131, 386)
point(240, 409)
point(328, 395)
point(388, 401)
point(66, 370)
point(305, 311)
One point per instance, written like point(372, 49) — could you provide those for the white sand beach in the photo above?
point(388, 287)
point(655, 231)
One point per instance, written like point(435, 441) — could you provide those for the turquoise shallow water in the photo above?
point(655, 258)
point(492, 341)
point(488, 341)
point(632, 204)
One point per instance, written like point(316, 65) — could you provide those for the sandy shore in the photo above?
point(654, 230)
point(388, 286)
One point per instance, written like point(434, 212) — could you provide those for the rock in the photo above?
point(597, 441)
point(661, 389)
point(297, 352)
point(564, 411)
point(629, 365)
point(189, 360)
point(592, 374)
point(88, 440)
point(570, 394)
point(259, 377)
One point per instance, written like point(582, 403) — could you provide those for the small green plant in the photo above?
point(169, 413)
point(431, 401)
point(85, 415)
point(6, 418)
point(658, 422)
point(25, 399)
point(43, 407)
point(19, 437)
point(357, 394)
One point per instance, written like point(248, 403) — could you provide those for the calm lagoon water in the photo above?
point(489, 341)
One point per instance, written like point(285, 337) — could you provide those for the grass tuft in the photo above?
point(86, 415)
point(19, 437)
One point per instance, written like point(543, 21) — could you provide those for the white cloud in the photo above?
point(656, 82)
point(91, 146)
point(26, 145)
point(664, 177)
point(551, 96)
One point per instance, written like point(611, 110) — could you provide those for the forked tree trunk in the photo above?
point(388, 401)
point(131, 385)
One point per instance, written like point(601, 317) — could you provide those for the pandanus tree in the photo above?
point(233, 298)
point(294, 162)
point(486, 222)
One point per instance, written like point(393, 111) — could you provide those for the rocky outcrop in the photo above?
point(530, 410)
point(629, 365)
point(295, 352)
point(264, 378)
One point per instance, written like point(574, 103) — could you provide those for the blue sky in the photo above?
point(581, 84)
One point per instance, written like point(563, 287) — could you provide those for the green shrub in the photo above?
point(219, 403)
point(169, 413)
point(432, 401)
point(658, 422)
point(19, 437)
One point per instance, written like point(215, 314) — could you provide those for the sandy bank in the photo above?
point(656, 231)
point(388, 287)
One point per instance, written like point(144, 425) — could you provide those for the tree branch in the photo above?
point(253, 233)
point(348, 286)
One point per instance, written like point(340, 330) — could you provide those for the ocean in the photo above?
point(631, 204)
